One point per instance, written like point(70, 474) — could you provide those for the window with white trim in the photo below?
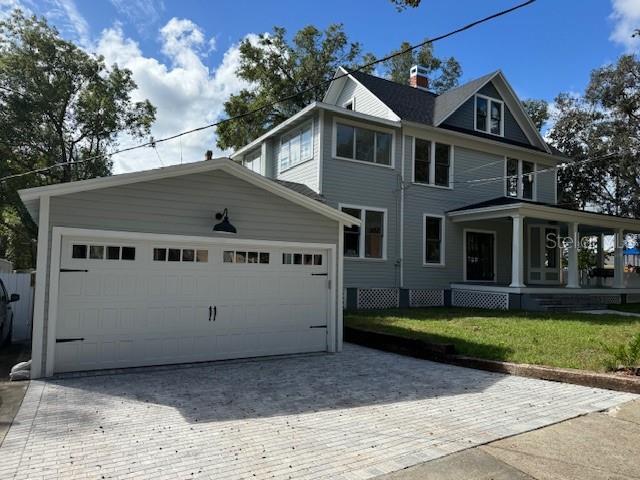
point(363, 144)
point(372, 243)
point(433, 234)
point(489, 115)
point(520, 179)
point(432, 162)
point(253, 161)
point(295, 147)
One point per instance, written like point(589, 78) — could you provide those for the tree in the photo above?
point(58, 104)
point(404, 4)
point(277, 68)
point(538, 111)
point(443, 73)
point(603, 127)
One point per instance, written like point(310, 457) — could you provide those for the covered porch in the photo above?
point(547, 255)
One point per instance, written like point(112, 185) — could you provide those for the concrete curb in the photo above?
point(445, 353)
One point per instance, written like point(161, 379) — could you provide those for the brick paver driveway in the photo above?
point(352, 415)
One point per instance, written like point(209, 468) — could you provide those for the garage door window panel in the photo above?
point(174, 255)
point(113, 253)
point(79, 251)
point(96, 252)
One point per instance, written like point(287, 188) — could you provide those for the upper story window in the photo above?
point(489, 115)
point(432, 163)
point(350, 104)
point(363, 144)
point(253, 161)
point(295, 147)
point(520, 179)
point(371, 244)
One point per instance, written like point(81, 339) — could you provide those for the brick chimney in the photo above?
point(418, 77)
point(208, 155)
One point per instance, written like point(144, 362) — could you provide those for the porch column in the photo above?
point(517, 252)
point(573, 277)
point(618, 272)
point(600, 259)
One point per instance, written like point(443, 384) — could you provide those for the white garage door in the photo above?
point(133, 303)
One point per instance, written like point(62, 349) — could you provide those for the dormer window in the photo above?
point(489, 115)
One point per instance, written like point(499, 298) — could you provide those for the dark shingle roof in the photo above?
point(300, 188)
point(500, 201)
point(497, 202)
point(407, 102)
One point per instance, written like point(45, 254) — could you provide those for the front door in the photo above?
point(544, 254)
point(480, 256)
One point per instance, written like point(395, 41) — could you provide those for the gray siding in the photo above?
point(307, 172)
point(366, 102)
point(368, 186)
point(463, 117)
point(546, 188)
point(186, 206)
point(421, 199)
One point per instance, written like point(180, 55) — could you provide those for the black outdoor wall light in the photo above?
point(224, 226)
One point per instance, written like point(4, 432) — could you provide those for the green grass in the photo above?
point(568, 340)
point(627, 307)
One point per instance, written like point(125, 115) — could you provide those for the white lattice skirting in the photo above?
point(476, 299)
point(633, 298)
point(426, 297)
point(605, 299)
point(372, 298)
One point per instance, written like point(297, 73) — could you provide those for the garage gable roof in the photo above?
point(299, 196)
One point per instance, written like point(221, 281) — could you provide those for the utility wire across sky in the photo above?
point(322, 84)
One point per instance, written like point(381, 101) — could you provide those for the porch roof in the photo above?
point(501, 207)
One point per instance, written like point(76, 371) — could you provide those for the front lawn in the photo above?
point(627, 307)
point(569, 340)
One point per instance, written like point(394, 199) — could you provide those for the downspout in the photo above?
point(402, 208)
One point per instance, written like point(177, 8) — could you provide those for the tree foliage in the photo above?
point(443, 73)
point(57, 104)
point(277, 68)
point(602, 126)
point(404, 4)
point(538, 111)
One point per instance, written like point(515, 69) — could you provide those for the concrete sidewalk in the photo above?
point(595, 446)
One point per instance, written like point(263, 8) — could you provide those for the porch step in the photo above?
point(566, 303)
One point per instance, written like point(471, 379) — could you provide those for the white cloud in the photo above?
point(66, 16)
point(626, 15)
point(142, 13)
point(186, 93)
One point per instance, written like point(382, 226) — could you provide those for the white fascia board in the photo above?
point(464, 99)
point(315, 105)
point(549, 158)
point(547, 213)
point(517, 109)
point(274, 130)
point(223, 164)
point(515, 106)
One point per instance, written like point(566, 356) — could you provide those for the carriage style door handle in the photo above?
point(210, 310)
point(213, 311)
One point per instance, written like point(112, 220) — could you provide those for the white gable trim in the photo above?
point(331, 96)
point(223, 164)
point(515, 107)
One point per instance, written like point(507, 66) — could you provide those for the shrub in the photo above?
point(626, 357)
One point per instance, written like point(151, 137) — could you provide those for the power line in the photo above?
point(287, 97)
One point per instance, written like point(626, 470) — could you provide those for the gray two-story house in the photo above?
point(456, 193)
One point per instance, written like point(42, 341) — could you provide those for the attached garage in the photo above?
point(132, 272)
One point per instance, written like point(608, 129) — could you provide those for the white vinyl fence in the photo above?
point(20, 283)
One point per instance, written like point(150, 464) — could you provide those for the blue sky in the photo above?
point(184, 53)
